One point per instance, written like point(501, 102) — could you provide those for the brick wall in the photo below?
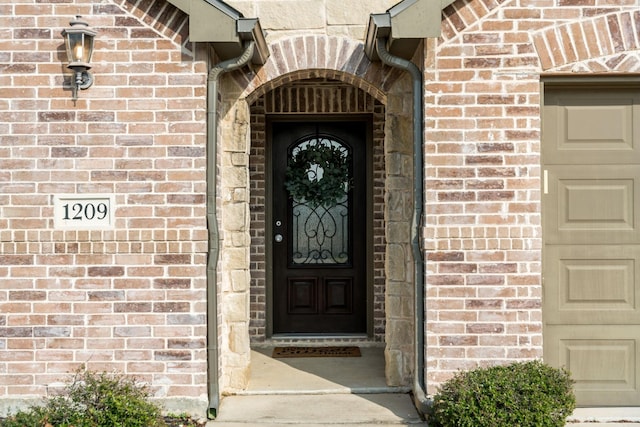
point(483, 233)
point(132, 298)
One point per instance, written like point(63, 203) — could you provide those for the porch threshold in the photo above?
point(325, 391)
point(321, 339)
point(283, 340)
point(318, 375)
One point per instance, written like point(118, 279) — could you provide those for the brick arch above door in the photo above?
point(313, 56)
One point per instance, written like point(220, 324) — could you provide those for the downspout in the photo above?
point(419, 394)
point(212, 221)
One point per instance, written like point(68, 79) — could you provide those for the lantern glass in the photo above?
point(78, 40)
point(79, 44)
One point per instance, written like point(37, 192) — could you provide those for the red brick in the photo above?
point(137, 331)
point(185, 319)
point(486, 184)
point(64, 319)
point(483, 160)
point(457, 268)
point(27, 295)
point(171, 307)
point(498, 268)
point(483, 304)
point(105, 271)
point(438, 280)
point(53, 331)
point(172, 259)
point(32, 33)
point(485, 328)
point(106, 295)
point(16, 259)
point(524, 304)
point(172, 355)
point(446, 256)
point(463, 340)
point(495, 195)
point(132, 307)
point(456, 196)
point(12, 332)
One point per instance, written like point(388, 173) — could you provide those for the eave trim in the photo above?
point(215, 22)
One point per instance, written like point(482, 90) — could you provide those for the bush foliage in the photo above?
point(93, 400)
point(521, 394)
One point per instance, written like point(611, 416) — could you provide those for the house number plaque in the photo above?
point(83, 211)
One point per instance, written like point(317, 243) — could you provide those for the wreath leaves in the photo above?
point(302, 176)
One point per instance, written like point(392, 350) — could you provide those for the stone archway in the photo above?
point(339, 67)
point(319, 92)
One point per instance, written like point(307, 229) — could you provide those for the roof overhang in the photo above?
point(215, 22)
point(404, 26)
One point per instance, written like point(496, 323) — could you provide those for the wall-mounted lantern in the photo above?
point(78, 40)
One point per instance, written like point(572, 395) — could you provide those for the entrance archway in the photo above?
point(310, 99)
point(342, 83)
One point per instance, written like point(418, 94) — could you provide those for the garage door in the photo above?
point(591, 226)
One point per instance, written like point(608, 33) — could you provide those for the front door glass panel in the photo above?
point(320, 231)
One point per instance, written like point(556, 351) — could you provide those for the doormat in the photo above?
point(336, 351)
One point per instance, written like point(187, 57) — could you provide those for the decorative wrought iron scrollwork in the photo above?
point(318, 181)
point(321, 233)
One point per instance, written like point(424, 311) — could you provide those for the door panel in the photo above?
point(319, 250)
point(587, 284)
point(594, 204)
point(602, 359)
point(591, 255)
point(302, 295)
point(596, 126)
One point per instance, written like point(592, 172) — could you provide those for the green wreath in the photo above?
point(302, 181)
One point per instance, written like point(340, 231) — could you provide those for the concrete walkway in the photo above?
point(389, 409)
point(318, 410)
point(316, 392)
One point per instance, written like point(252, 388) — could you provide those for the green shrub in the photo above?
point(521, 394)
point(93, 400)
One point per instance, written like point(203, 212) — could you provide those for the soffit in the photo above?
point(215, 22)
point(404, 26)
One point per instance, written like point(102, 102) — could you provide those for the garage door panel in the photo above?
point(603, 361)
point(585, 131)
point(592, 284)
point(594, 204)
point(595, 127)
point(591, 236)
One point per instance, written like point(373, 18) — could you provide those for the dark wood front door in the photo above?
point(319, 246)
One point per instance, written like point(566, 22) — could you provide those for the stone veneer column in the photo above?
point(233, 204)
point(398, 214)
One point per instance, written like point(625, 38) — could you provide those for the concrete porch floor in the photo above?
point(319, 391)
point(319, 375)
point(345, 391)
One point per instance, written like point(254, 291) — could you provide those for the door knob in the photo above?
point(278, 238)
